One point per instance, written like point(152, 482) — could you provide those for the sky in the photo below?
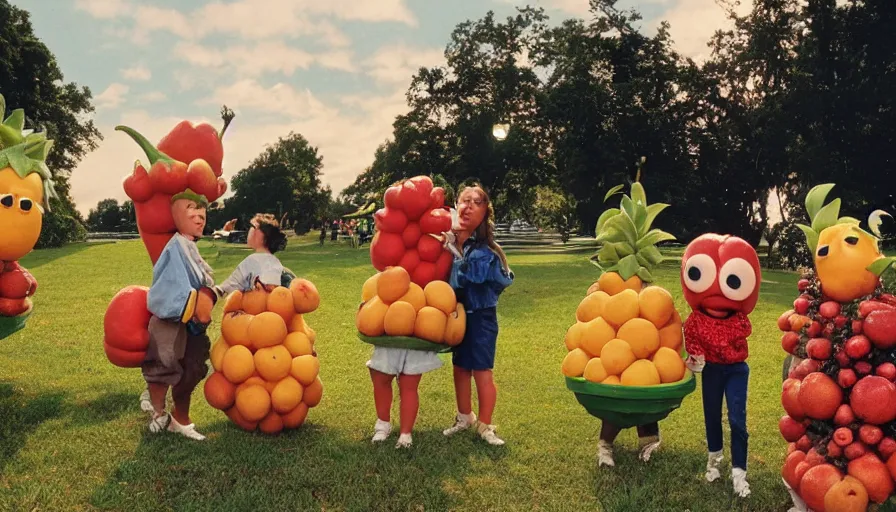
point(335, 71)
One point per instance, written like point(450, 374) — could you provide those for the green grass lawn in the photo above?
point(72, 436)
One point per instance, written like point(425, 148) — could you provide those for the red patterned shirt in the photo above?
point(719, 340)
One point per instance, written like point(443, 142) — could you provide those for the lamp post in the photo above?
point(500, 131)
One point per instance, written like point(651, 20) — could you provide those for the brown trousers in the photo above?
point(175, 358)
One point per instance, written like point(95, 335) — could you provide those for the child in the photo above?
point(720, 276)
point(262, 266)
point(180, 301)
point(479, 275)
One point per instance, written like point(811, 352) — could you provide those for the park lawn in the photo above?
point(72, 436)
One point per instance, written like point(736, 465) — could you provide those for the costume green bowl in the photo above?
point(629, 406)
point(10, 324)
point(408, 342)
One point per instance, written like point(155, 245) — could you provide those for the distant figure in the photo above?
point(225, 231)
point(323, 232)
point(334, 231)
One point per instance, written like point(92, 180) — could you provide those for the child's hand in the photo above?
point(205, 302)
point(695, 363)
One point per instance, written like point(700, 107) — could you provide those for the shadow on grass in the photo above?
point(106, 408)
point(20, 415)
point(41, 257)
point(313, 467)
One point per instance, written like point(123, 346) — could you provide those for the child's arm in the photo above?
point(693, 345)
point(239, 279)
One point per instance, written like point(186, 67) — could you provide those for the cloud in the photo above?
point(137, 73)
point(103, 9)
point(396, 64)
point(153, 97)
point(263, 57)
point(113, 96)
point(249, 95)
point(693, 23)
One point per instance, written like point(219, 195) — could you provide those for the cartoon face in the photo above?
point(21, 213)
point(720, 275)
point(189, 217)
point(472, 209)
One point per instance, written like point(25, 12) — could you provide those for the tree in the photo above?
point(283, 180)
point(106, 217)
point(554, 209)
point(31, 79)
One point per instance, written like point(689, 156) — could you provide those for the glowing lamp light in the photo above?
point(500, 130)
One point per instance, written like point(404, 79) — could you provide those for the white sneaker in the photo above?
point(188, 431)
point(381, 431)
point(741, 487)
point(712, 466)
point(651, 444)
point(159, 423)
point(487, 432)
point(404, 441)
point(461, 422)
point(605, 454)
point(145, 402)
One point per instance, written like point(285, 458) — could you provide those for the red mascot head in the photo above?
point(720, 275)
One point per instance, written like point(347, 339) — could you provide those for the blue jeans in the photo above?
point(730, 381)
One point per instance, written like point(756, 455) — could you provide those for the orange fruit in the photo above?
point(669, 365)
point(313, 393)
point(612, 379)
point(640, 373)
point(874, 476)
point(399, 319)
point(641, 335)
point(612, 283)
point(616, 356)
point(440, 295)
point(392, 284)
point(255, 301)
point(847, 495)
point(233, 302)
point(286, 395)
point(430, 324)
point(621, 308)
point(235, 329)
point(415, 296)
point(297, 324)
point(280, 302)
point(298, 344)
point(843, 269)
point(304, 295)
point(573, 338)
point(273, 363)
point(371, 318)
point(305, 369)
point(656, 304)
point(237, 364)
point(574, 363)
point(266, 330)
point(253, 402)
point(368, 291)
point(219, 392)
point(216, 356)
point(595, 371)
point(254, 380)
point(271, 424)
point(592, 306)
point(234, 414)
point(456, 326)
point(671, 336)
point(594, 335)
point(595, 287)
point(295, 417)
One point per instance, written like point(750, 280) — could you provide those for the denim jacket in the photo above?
point(178, 272)
point(478, 279)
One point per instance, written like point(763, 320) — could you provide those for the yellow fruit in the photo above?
point(641, 335)
point(253, 402)
point(254, 380)
point(595, 287)
point(217, 353)
point(573, 339)
point(415, 297)
point(313, 393)
point(656, 305)
point(266, 330)
point(612, 283)
point(669, 365)
point(298, 344)
point(595, 371)
point(255, 301)
point(21, 228)
point(612, 379)
point(305, 297)
point(399, 319)
point(234, 414)
point(295, 417)
point(430, 324)
point(594, 335)
point(287, 395)
point(219, 392)
point(235, 328)
point(392, 284)
point(305, 369)
point(842, 269)
point(671, 337)
point(591, 306)
point(641, 373)
point(621, 308)
point(371, 317)
point(368, 291)
point(440, 295)
point(280, 302)
point(238, 364)
point(616, 356)
point(234, 302)
point(298, 324)
point(273, 363)
point(456, 326)
point(574, 363)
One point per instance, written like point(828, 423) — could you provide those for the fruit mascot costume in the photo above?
point(839, 396)
point(26, 187)
point(720, 277)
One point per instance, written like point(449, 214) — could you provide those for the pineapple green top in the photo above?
point(25, 151)
point(628, 242)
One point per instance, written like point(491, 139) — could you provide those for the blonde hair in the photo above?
point(485, 231)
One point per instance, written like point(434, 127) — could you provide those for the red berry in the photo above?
point(814, 329)
point(842, 358)
point(871, 435)
point(802, 285)
point(843, 436)
point(886, 370)
point(863, 367)
point(858, 346)
point(856, 327)
point(840, 322)
point(855, 450)
point(829, 309)
point(801, 306)
point(846, 378)
point(844, 416)
point(834, 450)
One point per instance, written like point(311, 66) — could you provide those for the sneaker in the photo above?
point(159, 423)
point(605, 454)
point(188, 431)
point(487, 432)
point(145, 402)
point(739, 478)
point(712, 466)
point(381, 431)
point(461, 422)
point(648, 446)
point(404, 441)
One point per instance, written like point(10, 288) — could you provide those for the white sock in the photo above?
point(712, 466)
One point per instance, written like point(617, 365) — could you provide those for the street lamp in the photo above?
point(500, 130)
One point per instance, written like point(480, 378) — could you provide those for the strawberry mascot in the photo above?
point(26, 187)
point(720, 276)
point(161, 328)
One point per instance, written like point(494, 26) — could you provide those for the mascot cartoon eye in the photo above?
point(700, 273)
point(737, 279)
point(26, 204)
point(6, 200)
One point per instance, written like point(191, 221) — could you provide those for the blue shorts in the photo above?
point(477, 351)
